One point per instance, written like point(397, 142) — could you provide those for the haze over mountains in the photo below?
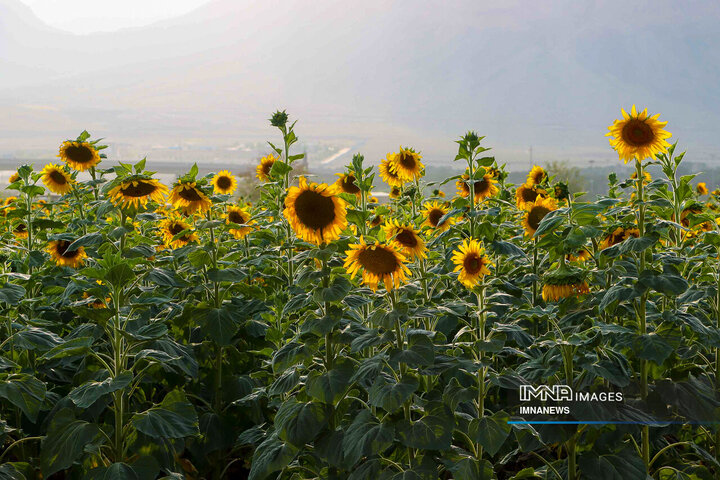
point(368, 76)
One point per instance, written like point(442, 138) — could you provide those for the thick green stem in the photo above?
point(481, 371)
point(641, 314)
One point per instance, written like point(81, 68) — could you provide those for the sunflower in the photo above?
point(56, 179)
point(695, 209)
point(372, 199)
point(564, 283)
point(527, 194)
point(438, 193)
point(638, 135)
point(224, 182)
point(95, 302)
point(262, 171)
point(387, 172)
point(346, 184)
point(136, 191)
point(647, 178)
point(378, 263)
point(395, 192)
point(618, 235)
point(406, 164)
point(536, 175)
point(701, 188)
point(484, 188)
point(240, 216)
point(580, 256)
point(189, 198)
point(14, 178)
point(471, 262)
point(406, 238)
point(172, 226)
point(79, 155)
point(315, 211)
point(20, 231)
point(536, 212)
point(433, 212)
point(375, 221)
point(64, 257)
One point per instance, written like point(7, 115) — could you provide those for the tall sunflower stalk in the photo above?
point(639, 136)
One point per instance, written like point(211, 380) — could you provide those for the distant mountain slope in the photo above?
point(549, 74)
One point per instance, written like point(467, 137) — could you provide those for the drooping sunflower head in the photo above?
point(406, 238)
point(80, 156)
point(57, 179)
point(638, 135)
point(580, 256)
point(536, 175)
point(58, 250)
point(433, 213)
point(484, 188)
point(173, 226)
point(262, 171)
point(14, 178)
point(346, 184)
point(240, 216)
point(224, 183)
point(188, 196)
point(406, 164)
point(387, 172)
point(564, 283)
point(535, 212)
point(527, 194)
point(136, 190)
point(378, 262)
point(315, 212)
point(693, 209)
point(471, 263)
point(20, 230)
point(701, 188)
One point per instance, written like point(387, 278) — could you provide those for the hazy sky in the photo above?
point(85, 16)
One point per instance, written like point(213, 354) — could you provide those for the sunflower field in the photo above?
point(151, 331)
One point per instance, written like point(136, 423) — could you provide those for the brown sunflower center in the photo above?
point(190, 194)
point(315, 210)
point(348, 184)
point(406, 238)
point(528, 195)
point(434, 216)
point(472, 263)
point(266, 167)
point(224, 182)
point(376, 221)
point(236, 217)
point(482, 186)
point(637, 133)
point(21, 228)
point(407, 160)
point(176, 228)
point(378, 261)
point(142, 189)
point(58, 177)
point(62, 250)
point(80, 154)
point(535, 216)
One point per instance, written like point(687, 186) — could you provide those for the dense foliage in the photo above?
point(321, 334)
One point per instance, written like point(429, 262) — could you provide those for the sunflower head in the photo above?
point(433, 213)
point(535, 212)
point(224, 183)
point(388, 173)
point(346, 184)
point(527, 194)
point(57, 179)
point(701, 188)
point(262, 171)
point(187, 196)
point(647, 178)
point(484, 188)
point(378, 263)
point(136, 190)
point(241, 216)
point(438, 193)
point(58, 250)
point(536, 176)
point(580, 256)
point(173, 226)
point(315, 211)
point(405, 237)
point(564, 283)
point(694, 209)
point(406, 164)
point(14, 178)
point(617, 235)
point(638, 135)
point(79, 155)
point(471, 263)
point(395, 192)
point(20, 230)
point(562, 192)
point(375, 221)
